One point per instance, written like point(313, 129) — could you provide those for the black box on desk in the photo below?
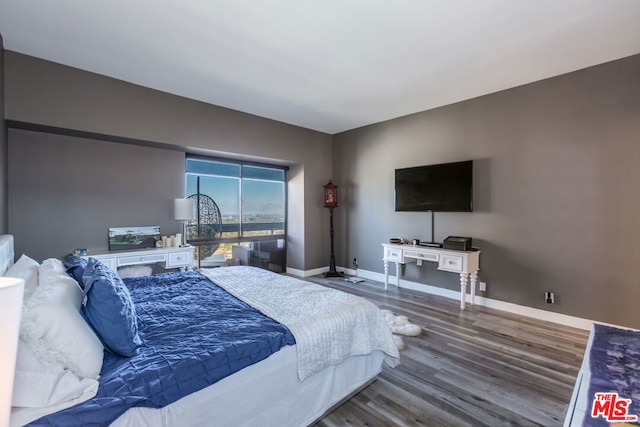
point(457, 243)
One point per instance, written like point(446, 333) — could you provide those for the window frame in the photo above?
point(240, 238)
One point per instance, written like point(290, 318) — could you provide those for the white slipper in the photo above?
point(408, 330)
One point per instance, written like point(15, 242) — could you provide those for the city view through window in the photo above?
point(234, 202)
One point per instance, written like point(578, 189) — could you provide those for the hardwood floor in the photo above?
point(477, 367)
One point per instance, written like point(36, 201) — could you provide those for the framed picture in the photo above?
point(127, 238)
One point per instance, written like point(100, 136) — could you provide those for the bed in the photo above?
point(318, 348)
point(611, 364)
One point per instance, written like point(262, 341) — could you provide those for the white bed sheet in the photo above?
point(329, 325)
point(577, 409)
point(267, 393)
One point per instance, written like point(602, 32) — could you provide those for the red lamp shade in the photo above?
point(330, 195)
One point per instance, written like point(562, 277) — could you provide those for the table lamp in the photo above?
point(184, 210)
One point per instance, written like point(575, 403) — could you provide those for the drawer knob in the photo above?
point(141, 258)
point(179, 258)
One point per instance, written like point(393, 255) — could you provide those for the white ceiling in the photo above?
point(328, 65)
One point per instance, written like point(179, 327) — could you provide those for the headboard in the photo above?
point(7, 255)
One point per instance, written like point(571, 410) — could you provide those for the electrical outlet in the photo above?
point(549, 298)
point(483, 287)
point(355, 263)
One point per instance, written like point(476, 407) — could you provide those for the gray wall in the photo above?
point(45, 93)
point(557, 190)
point(3, 148)
point(65, 192)
point(557, 175)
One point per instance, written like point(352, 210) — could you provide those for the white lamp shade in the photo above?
point(184, 209)
point(11, 290)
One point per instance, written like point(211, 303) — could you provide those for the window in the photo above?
point(237, 203)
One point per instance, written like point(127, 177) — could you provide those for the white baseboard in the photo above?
point(536, 313)
point(317, 271)
point(306, 273)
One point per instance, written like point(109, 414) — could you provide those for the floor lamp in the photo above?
point(11, 290)
point(184, 210)
point(330, 202)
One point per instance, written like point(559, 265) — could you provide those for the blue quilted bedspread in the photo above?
point(614, 361)
point(194, 334)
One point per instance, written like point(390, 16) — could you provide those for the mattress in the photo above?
point(267, 394)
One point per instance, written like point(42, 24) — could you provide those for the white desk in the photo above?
point(181, 258)
point(466, 263)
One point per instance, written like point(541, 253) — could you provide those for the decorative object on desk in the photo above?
point(330, 202)
point(416, 242)
point(395, 241)
point(184, 210)
point(457, 243)
point(125, 238)
point(11, 291)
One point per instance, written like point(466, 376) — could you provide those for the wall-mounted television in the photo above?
point(446, 187)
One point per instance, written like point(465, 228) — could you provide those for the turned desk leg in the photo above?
point(474, 278)
point(463, 289)
point(397, 274)
point(386, 275)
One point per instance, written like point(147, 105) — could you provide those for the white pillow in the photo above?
point(36, 385)
point(56, 332)
point(27, 269)
point(50, 267)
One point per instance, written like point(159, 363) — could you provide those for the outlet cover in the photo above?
point(549, 297)
point(483, 286)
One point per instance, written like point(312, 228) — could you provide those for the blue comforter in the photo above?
point(194, 334)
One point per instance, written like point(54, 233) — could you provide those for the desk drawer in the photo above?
point(108, 261)
point(451, 263)
point(392, 254)
point(428, 256)
point(141, 259)
point(178, 259)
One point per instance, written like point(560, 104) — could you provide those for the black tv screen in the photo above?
point(446, 187)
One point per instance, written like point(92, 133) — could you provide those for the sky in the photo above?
point(260, 197)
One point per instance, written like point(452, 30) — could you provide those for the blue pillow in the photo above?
point(75, 267)
point(108, 308)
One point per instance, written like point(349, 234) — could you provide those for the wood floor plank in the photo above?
point(477, 367)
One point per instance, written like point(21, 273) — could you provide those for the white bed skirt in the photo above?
point(267, 393)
